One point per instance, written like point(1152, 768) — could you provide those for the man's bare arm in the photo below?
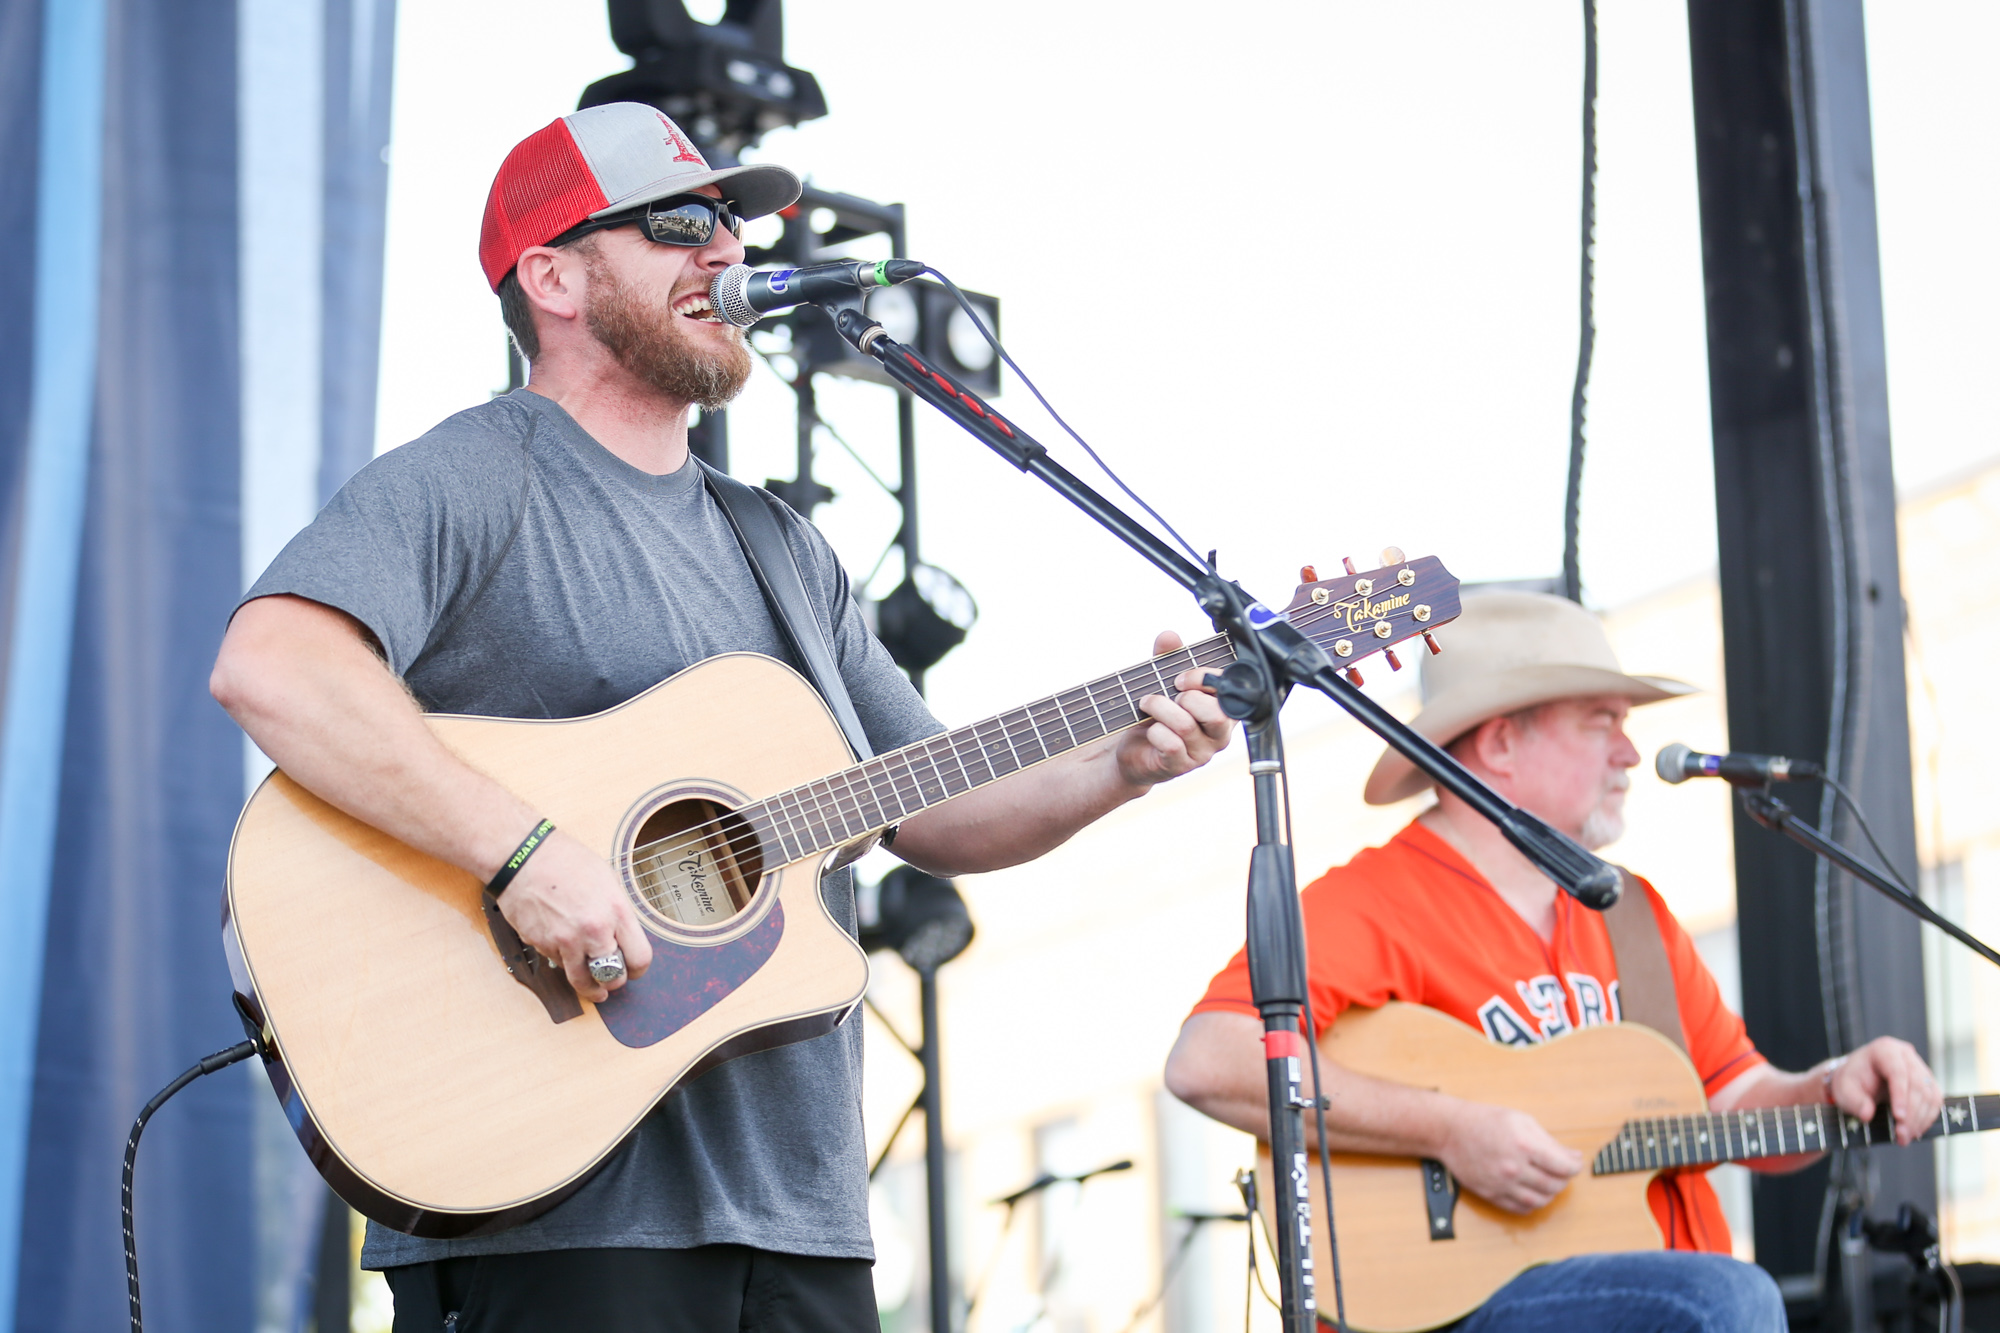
point(1886, 1069)
point(302, 680)
point(1503, 1155)
point(1006, 823)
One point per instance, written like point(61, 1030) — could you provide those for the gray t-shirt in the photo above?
point(513, 567)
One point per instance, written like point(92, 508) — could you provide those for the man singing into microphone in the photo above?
point(1531, 699)
point(551, 554)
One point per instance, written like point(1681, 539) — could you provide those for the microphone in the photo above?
point(741, 295)
point(1677, 763)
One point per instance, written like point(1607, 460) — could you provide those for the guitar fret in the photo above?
point(849, 793)
point(1798, 1130)
point(1090, 697)
point(909, 791)
point(980, 761)
point(871, 773)
point(878, 773)
point(828, 809)
point(1006, 740)
point(1069, 724)
point(959, 759)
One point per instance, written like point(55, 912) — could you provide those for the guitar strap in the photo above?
point(1645, 979)
point(777, 572)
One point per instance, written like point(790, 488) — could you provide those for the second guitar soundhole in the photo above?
point(695, 864)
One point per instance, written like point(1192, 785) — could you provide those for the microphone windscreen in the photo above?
point(1671, 762)
point(727, 295)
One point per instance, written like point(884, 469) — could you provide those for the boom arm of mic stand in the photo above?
point(1291, 654)
point(1774, 814)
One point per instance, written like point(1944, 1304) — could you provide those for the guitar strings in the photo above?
point(716, 834)
point(711, 833)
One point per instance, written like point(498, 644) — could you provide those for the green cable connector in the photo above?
point(882, 274)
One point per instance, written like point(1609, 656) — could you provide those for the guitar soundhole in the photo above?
point(695, 864)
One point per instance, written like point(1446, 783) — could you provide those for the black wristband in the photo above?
point(498, 884)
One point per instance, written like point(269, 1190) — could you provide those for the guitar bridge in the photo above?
point(542, 977)
point(1440, 1199)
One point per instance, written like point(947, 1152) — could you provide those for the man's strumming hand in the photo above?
point(1506, 1157)
point(568, 905)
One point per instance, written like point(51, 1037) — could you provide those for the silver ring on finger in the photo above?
point(608, 968)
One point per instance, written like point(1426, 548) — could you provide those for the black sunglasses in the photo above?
point(680, 219)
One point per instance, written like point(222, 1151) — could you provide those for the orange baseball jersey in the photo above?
point(1413, 921)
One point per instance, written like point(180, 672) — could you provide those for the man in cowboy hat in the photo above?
point(552, 554)
point(1530, 698)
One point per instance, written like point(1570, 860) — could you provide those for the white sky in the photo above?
point(1306, 277)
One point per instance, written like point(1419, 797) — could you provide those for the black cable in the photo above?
point(242, 1050)
point(1587, 334)
point(1000, 351)
point(1854, 808)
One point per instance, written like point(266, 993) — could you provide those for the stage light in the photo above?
point(724, 82)
point(895, 308)
point(922, 918)
point(921, 314)
point(968, 345)
point(926, 617)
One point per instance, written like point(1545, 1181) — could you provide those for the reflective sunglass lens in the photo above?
point(684, 224)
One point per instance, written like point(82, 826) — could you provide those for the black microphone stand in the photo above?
point(1765, 807)
point(1271, 658)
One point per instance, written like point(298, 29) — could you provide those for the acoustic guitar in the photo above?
point(1415, 1253)
point(447, 1081)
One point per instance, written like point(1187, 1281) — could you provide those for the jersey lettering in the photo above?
point(1505, 1026)
point(1543, 997)
point(1589, 999)
point(1617, 1009)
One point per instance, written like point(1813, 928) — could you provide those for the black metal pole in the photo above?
point(934, 1167)
point(1275, 938)
point(1812, 612)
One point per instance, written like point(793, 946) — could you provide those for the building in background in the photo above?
point(1058, 1019)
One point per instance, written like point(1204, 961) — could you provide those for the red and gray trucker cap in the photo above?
point(600, 160)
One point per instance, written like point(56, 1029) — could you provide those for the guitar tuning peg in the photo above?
point(1433, 643)
point(1392, 555)
point(1348, 562)
point(1354, 677)
point(1389, 655)
point(1307, 574)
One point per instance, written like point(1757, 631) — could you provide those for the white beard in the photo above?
point(1601, 828)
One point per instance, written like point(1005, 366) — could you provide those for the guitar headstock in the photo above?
point(1358, 613)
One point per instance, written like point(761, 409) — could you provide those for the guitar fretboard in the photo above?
point(889, 788)
point(1773, 1131)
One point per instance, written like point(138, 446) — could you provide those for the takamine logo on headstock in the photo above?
point(1359, 613)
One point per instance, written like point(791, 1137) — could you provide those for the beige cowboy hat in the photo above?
point(1508, 651)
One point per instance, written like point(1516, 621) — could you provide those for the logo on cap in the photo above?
point(686, 151)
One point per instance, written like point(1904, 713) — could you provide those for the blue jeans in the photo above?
point(1650, 1292)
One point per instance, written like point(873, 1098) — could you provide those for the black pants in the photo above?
point(711, 1289)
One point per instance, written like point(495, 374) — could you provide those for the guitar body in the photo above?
point(1582, 1087)
point(435, 1092)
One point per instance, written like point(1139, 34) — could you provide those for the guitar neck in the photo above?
point(1773, 1131)
point(831, 811)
